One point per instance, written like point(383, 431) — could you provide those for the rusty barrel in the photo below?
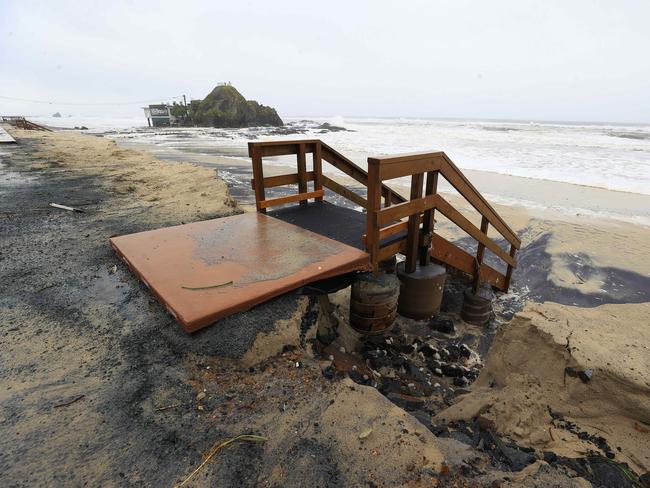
point(477, 308)
point(421, 291)
point(373, 303)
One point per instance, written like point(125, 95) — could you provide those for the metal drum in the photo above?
point(421, 291)
point(373, 303)
point(476, 308)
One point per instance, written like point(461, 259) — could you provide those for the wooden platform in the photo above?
point(208, 270)
point(5, 137)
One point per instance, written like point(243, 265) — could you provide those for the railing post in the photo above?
point(429, 218)
point(513, 251)
point(480, 252)
point(413, 236)
point(388, 198)
point(258, 177)
point(318, 169)
point(373, 207)
point(302, 172)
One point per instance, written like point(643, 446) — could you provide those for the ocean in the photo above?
point(609, 156)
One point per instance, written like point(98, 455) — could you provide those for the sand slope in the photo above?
point(524, 377)
point(188, 191)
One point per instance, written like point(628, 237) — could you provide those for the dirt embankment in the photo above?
point(569, 380)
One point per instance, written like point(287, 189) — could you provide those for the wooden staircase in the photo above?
point(394, 223)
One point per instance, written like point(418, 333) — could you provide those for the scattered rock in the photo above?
point(584, 374)
point(445, 326)
point(200, 396)
point(365, 433)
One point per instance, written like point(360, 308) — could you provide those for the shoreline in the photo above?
point(582, 201)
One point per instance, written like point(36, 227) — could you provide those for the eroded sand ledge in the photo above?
point(524, 383)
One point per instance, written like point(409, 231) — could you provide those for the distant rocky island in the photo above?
point(224, 107)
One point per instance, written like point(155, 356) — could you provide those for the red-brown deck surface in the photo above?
point(263, 257)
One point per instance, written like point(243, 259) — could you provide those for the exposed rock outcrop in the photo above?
point(226, 107)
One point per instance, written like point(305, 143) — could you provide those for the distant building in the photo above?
point(159, 115)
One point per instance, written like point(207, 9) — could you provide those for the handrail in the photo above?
point(384, 225)
point(421, 240)
point(409, 164)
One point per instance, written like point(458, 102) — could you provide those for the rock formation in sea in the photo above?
point(226, 107)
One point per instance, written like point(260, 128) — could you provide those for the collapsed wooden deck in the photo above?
point(205, 271)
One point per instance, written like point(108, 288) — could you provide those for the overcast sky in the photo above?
point(547, 60)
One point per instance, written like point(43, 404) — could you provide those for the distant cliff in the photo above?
point(226, 107)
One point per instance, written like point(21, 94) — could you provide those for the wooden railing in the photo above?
point(401, 225)
point(22, 123)
point(320, 151)
point(421, 241)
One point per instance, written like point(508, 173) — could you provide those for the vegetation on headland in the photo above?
point(226, 107)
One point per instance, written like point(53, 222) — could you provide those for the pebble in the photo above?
point(200, 396)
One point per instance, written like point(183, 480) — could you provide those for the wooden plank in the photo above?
point(456, 178)
point(513, 251)
point(344, 192)
point(302, 172)
point(388, 251)
point(448, 253)
point(373, 207)
point(431, 162)
point(428, 217)
point(412, 240)
point(388, 199)
point(480, 251)
point(342, 163)
point(281, 148)
point(281, 180)
point(391, 230)
point(251, 254)
point(281, 142)
point(461, 221)
point(404, 158)
point(318, 168)
point(406, 209)
point(290, 198)
point(258, 176)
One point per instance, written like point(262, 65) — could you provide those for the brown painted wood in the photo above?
point(388, 199)
point(300, 197)
point(513, 251)
point(302, 172)
point(318, 169)
point(417, 180)
point(342, 163)
point(428, 217)
point(409, 164)
point(258, 176)
point(406, 209)
point(282, 148)
point(281, 180)
point(391, 249)
point(456, 178)
point(461, 221)
point(201, 279)
point(448, 253)
point(480, 252)
point(344, 192)
point(372, 209)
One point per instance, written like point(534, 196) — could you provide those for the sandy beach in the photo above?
point(101, 387)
